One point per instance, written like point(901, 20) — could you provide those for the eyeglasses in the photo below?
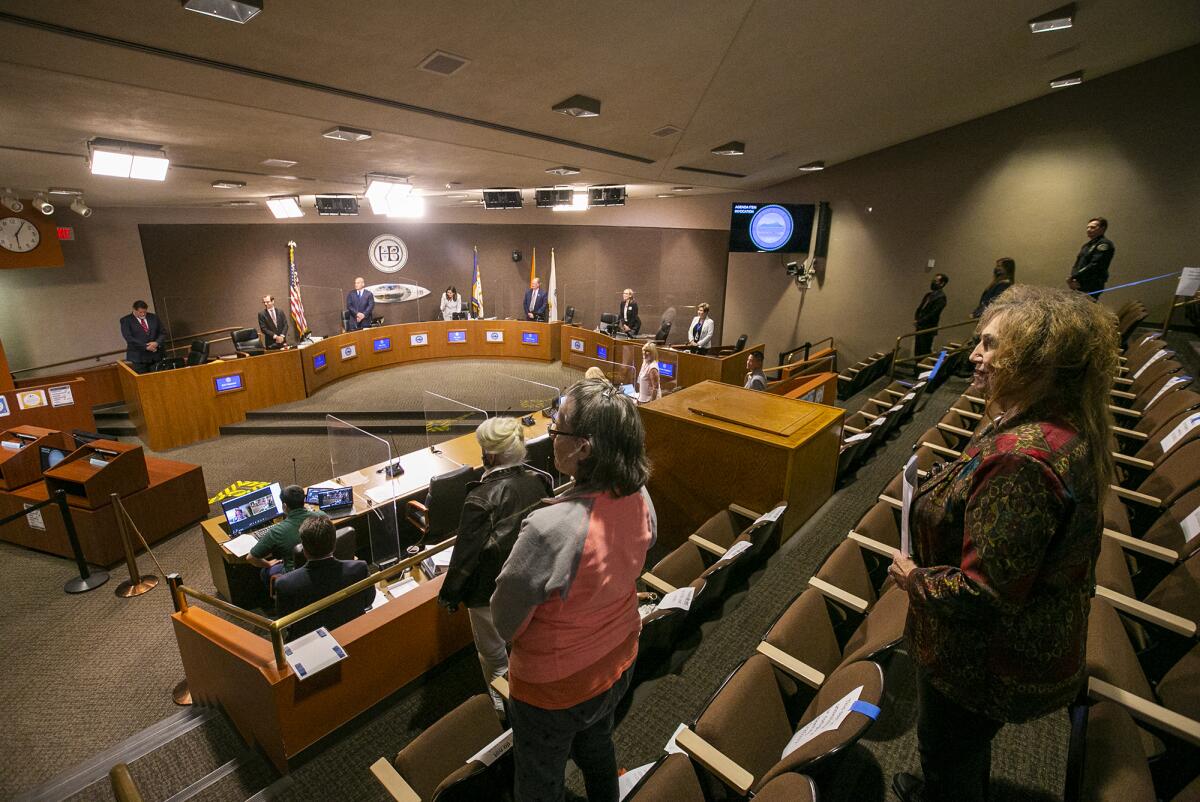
point(562, 432)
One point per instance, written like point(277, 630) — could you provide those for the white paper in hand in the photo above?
point(1180, 431)
point(678, 599)
point(492, 752)
point(828, 721)
point(910, 489)
point(627, 781)
point(312, 653)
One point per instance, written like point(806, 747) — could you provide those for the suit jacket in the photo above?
point(539, 309)
point(315, 580)
point(269, 331)
point(634, 322)
point(356, 304)
point(930, 311)
point(137, 338)
point(706, 331)
point(1091, 265)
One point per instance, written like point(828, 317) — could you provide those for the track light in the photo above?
point(10, 200)
point(285, 206)
point(128, 160)
point(42, 205)
point(1057, 20)
point(239, 11)
point(1071, 79)
point(730, 149)
point(80, 208)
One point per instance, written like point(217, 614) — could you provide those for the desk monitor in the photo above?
point(666, 370)
point(529, 337)
point(227, 384)
point(336, 498)
point(382, 344)
point(602, 352)
point(51, 457)
point(456, 336)
point(253, 509)
point(460, 316)
point(318, 361)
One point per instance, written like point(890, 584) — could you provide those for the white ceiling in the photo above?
point(796, 80)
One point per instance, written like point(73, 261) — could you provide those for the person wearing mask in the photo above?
point(144, 338)
point(360, 303)
point(627, 319)
point(755, 378)
point(1005, 539)
point(272, 323)
point(321, 575)
point(700, 332)
point(491, 514)
point(1090, 271)
point(275, 551)
point(648, 385)
point(451, 303)
point(535, 301)
point(567, 597)
point(1002, 279)
point(928, 313)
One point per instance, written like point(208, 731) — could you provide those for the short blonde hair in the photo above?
point(652, 350)
point(594, 372)
point(702, 308)
point(504, 438)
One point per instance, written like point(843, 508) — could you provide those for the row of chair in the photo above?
point(879, 416)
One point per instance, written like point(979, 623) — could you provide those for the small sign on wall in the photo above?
point(61, 396)
point(349, 351)
point(418, 339)
point(31, 399)
point(494, 336)
point(4, 410)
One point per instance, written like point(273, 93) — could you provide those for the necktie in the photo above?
point(533, 300)
point(274, 322)
point(145, 326)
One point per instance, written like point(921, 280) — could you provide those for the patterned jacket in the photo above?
point(1006, 539)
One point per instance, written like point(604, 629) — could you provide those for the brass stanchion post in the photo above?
point(136, 585)
point(181, 694)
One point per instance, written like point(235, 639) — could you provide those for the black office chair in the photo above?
point(569, 318)
point(343, 547)
point(539, 455)
point(608, 322)
point(740, 344)
point(438, 517)
point(246, 343)
point(198, 354)
point(377, 321)
point(664, 331)
point(170, 363)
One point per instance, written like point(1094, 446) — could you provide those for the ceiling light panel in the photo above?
point(1071, 79)
point(228, 184)
point(730, 149)
point(578, 106)
point(344, 133)
point(440, 62)
point(284, 206)
point(1057, 20)
point(812, 167)
point(278, 163)
point(563, 170)
point(239, 11)
point(119, 159)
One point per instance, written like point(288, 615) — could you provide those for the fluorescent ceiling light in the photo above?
point(579, 203)
point(812, 167)
point(239, 11)
point(128, 160)
point(1057, 20)
point(1072, 79)
point(285, 206)
point(239, 203)
point(278, 163)
point(344, 133)
point(409, 206)
point(228, 184)
point(387, 194)
point(666, 195)
point(564, 170)
point(730, 149)
point(64, 191)
point(578, 106)
point(681, 189)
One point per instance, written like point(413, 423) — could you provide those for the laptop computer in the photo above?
point(335, 499)
point(252, 510)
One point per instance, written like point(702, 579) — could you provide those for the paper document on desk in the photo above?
point(240, 546)
point(312, 653)
point(910, 489)
point(398, 589)
point(384, 492)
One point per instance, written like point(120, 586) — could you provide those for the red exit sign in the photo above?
point(66, 233)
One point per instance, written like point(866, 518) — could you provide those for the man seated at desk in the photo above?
point(275, 550)
point(322, 575)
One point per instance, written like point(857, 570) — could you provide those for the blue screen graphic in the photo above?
point(456, 336)
point(529, 337)
point(319, 361)
point(666, 369)
point(226, 383)
point(382, 344)
point(602, 352)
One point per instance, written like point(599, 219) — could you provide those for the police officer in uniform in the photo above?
point(1090, 272)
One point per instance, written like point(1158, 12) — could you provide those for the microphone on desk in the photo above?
point(295, 479)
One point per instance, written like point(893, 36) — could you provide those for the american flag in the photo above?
point(294, 300)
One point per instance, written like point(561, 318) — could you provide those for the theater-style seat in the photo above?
point(673, 779)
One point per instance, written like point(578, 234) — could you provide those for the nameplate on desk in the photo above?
point(577, 345)
point(666, 370)
point(349, 351)
point(418, 339)
point(601, 352)
point(228, 384)
point(456, 336)
point(318, 361)
point(381, 344)
point(97, 462)
point(530, 337)
point(494, 336)
point(13, 444)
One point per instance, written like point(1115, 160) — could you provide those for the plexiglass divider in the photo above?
point(359, 460)
point(184, 316)
point(323, 308)
point(447, 418)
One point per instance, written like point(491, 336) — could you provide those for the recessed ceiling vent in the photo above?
point(443, 63)
point(666, 130)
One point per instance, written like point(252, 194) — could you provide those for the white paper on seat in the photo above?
point(384, 492)
point(442, 558)
point(1151, 336)
point(312, 653)
point(380, 599)
point(895, 408)
point(1189, 282)
point(1162, 353)
point(398, 589)
point(857, 437)
point(877, 422)
point(925, 374)
point(736, 549)
point(773, 515)
point(1191, 525)
point(907, 398)
point(646, 609)
point(627, 781)
point(678, 599)
point(909, 490)
point(240, 546)
point(492, 752)
point(672, 748)
point(828, 721)
point(1180, 431)
point(1167, 385)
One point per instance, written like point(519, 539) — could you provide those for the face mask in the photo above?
point(933, 285)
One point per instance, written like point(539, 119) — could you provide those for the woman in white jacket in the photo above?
point(451, 303)
point(700, 333)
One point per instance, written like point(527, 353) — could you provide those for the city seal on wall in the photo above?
point(388, 253)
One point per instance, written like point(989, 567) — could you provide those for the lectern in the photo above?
point(20, 462)
point(91, 474)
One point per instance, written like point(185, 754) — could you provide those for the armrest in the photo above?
point(416, 514)
point(1129, 413)
point(894, 393)
point(945, 452)
point(871, 544)
point(1132, 434)
point(843, 377)
point(842, 597)
point(966, 413)
point(1143, 710)
point(867, 415)
point(1122, 394)
point(852, 370)
point(790, 665)
point(500, 686)
point(656, 583)
point(891, 502)
point(745, 512)
point(851, 429)
point(1139, 498)
point(392, 782)
point(1133, 462)
point(1147, 613)
point(974, 399)
point(1122, 380)
point(945, 427)
point(1142, 547)
point(878, 403)
point(707, 545)
point(715, 761)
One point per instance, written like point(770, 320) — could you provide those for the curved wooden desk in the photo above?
point(581, 348)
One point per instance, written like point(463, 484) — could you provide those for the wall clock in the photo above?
point(18, 235)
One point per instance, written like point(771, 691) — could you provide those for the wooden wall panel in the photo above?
point(77, 415)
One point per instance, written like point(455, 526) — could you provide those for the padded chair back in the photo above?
point(539, 454)
point(805, 631)
point(1178, 473)
point(660, 633)
point(881, 630)
point(344, 546)
point(671, 780)
point(198, 353)
point(1177, 592)
point(664, 331)
point(569, 317)
point(170, 363)
point(446, 496)
point(846, 569)
point(740, 344)
point(682, 566)
point(435, 763)
point(246, 341)
point(1114, 767)
point(1171, 403)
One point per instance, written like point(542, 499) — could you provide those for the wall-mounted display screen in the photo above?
point(529, 337)
point(456, 336)
point(225, 384)
point(770, 227)
point(318, 361)
point(382, 344)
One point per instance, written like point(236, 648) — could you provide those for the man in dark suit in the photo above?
point(628, 320)
point(929, 313)
point(535, 302)
point(360, 303)
point(272, 323)
point(323, 575)
point(144, 338)
point(1090, 271)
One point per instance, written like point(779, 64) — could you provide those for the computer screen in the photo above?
point(529, 337)
point(383, 344)
point(666, 370)
point(335, 498)
point(227, 384)
point(318, 361)
point(51, 457)
point(771, 227)
point(602, 351)
point(252, 509)
point(456, 336)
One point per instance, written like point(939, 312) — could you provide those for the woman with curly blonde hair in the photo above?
point(1005, 538)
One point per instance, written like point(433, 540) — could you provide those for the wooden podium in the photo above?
point(714, 444)
point(91, 474)
point(22, 465)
